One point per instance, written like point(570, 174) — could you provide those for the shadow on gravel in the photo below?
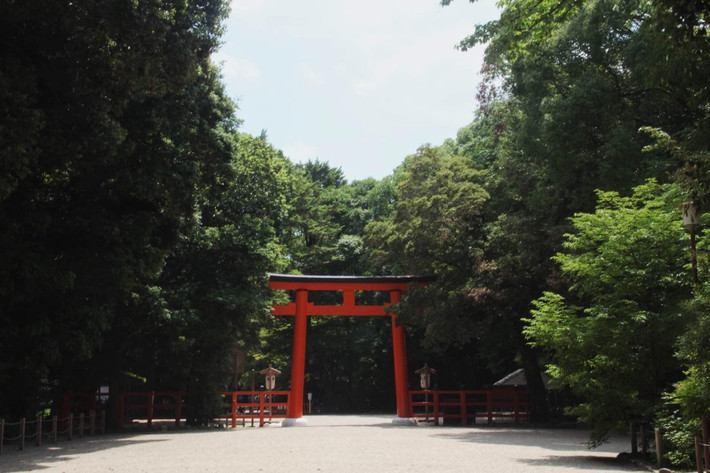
point(554, 439)
point(581, 462)
point(34, 458)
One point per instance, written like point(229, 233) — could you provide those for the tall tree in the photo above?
point(215, 280)
point(437, 228)
point(568, 85)
point(611, 339)
point(323, 235)
point(110, 118)
point(313, 231)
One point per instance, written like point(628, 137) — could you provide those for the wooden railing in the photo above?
point(78, 402)
point(253, 405)
point(470, 405)
point(149, 406)
point(239, 407)
point(41, 428)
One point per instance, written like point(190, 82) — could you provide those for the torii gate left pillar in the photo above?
point(294, 411)
point(348, 285)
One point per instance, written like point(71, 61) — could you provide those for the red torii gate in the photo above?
point(348, 285)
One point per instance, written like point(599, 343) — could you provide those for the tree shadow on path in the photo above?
point(564, 441)
point(581, 462)
point(552, 439)
point(34, 458)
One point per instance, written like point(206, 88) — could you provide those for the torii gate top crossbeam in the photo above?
point(348, 285)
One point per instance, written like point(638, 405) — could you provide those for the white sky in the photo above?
point(359, 84)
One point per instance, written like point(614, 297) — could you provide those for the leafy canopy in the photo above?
point(611, 339)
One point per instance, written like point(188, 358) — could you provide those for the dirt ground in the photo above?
point(327, 444)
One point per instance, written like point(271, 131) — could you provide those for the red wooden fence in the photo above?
point(149, 406)
point(76, 403)
point(239, 406)
point(252, 405)
point(470, 405)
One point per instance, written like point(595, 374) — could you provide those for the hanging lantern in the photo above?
point(270, 377)
point(425, 376)
point(691, 217)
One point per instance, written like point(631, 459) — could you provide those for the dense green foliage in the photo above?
point(139, 225)
point(112, 118)
point(585, 95)
point(612, 338)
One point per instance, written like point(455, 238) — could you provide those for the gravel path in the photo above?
point(328, 444)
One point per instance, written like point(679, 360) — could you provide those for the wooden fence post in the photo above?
point(149, 407)
point(178, 409)
point(22, 433)
point(489, 405)
point(261, 409)
point(698, 456)
point(234, 409)
point(436, 407)
point(426, 405)
point(121, 409)
point(251, 410)
point(659, 447)
point(64, 407)
point(464, 414)
point(39, 430)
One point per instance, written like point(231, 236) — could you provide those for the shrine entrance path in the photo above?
point(328, 444)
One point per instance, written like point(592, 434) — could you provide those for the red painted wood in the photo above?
point(149, 407)
point(436, 408)
point(332, 310)
point(234, 410)
point(121, 410)
point(261, 410)
point(178, 408)
point(399, 349)
point(349, 297)
point(490, 407)
point(464, 413)
point(463, 405)
point(301, 309)
point(298, 360)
